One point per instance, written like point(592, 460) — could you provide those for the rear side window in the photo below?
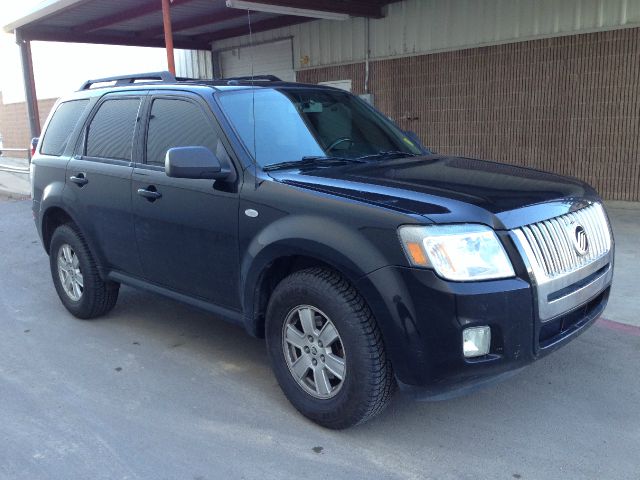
point(178, 123)
point(110, 133)
point(62, 123)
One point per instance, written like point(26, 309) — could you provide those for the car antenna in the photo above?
point(253, 104)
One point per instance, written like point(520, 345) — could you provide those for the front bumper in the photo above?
point(422, 317)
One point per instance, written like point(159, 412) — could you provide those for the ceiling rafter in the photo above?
point(65, 35)
point(256, 27)
point(195, 22)
point(356, 8)
point(144, 8)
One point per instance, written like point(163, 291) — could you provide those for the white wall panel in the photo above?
point(423, 26)
point(265, 58)
point(193, 64)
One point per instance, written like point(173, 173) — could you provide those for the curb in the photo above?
point(619, 327)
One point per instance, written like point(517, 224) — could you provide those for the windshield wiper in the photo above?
point(311, 161)
point(388, 154)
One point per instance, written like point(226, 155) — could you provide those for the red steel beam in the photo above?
point(261, 26)
point(372, 8)
point(64, 35)
point(168, 35)
point(29, 84)
point(140, 10)
point(198, 21)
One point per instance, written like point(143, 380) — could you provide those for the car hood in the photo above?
point(450, 189)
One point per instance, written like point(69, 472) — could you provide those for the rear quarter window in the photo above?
point(63, 122)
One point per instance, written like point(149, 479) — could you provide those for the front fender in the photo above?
point(331, 242)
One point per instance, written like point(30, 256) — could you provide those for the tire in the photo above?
point(96, 297)
point(322, 296)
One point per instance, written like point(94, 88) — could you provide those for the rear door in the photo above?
point(99, 179)
point(188, 236)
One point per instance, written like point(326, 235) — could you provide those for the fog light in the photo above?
point(476, 341)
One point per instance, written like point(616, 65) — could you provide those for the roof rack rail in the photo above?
point(256, 78)
point(164, 77)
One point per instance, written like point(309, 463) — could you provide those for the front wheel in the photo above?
point(326, 349)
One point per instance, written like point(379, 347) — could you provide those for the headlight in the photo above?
point(457, 252)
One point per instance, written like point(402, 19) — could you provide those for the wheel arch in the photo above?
point(56, 215)
point(280, 260)
point(52, 218)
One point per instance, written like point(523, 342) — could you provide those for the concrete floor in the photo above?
point(624, 304)
point(157, 390)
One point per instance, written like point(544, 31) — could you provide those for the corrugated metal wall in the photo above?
point(193, 64)
point(508, 80)
point(425, 26)
point(263, 59)
point(569, 105)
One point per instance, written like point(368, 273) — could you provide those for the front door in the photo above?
point(188, 236)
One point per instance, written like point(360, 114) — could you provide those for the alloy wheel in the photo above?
point(69, 272)
point(314, 351)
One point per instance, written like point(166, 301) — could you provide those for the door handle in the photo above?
point(79, 179)
point(150, 193)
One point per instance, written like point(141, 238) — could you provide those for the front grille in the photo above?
point(554, 246)
point(564, 325)
point(570, 259)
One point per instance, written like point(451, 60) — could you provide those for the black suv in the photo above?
point(308, 217)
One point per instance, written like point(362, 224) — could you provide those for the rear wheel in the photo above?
point(75, 275)
point(326, 349)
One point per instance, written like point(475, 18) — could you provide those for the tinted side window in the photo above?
point(178, 123)
point(62, 123)
point(110, 134)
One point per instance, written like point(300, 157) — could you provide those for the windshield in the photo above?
point(294, 124)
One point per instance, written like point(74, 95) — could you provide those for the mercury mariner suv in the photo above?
point(309, 218)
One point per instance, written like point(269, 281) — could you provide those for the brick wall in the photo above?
point(14, 123)
point(570, 105)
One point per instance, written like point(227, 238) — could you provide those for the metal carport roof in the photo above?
point(195, 23)
point(187, 24)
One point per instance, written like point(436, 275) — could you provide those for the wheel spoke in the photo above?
point(307, 319)
point(66, 252)
point(323, 386)
point(67, 282)
point(335, 365)
point(74, 260)
point(76, 289)
point(295, 337)
point(80, 279)
point(328, 334)
point(301, 366)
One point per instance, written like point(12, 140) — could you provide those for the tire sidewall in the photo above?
point(353, 393)
point(66, 235)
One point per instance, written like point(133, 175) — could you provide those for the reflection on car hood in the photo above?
point(441, 187)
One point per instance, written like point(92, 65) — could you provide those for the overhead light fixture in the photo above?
point(298, 12)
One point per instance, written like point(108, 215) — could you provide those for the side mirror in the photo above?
point(195, 162)
point(413, 136)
